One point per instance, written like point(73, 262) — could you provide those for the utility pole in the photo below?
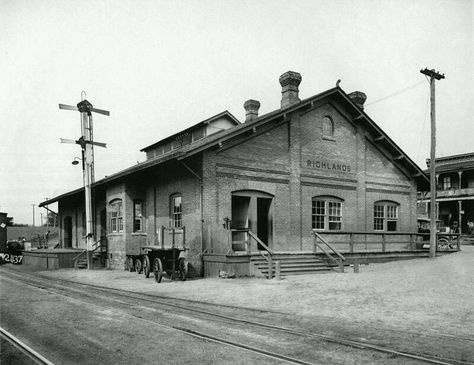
point(433, 75)
point(33, 205)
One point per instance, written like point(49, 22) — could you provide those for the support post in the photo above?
point(459, 216)
point(270, 267)
point(341, 266)
point(351, 242)
point(384, 243)
point(277, 270)
point(173, 265)
point(162, 234)
point(356, 266)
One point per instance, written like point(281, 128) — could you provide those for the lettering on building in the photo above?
point(327, 165)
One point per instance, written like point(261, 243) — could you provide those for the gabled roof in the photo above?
point(224, 114)
point(279, 115)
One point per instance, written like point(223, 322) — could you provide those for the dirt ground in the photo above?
point(435, 296)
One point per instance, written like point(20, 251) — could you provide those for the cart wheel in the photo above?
point(157, 270)
point(443, 244)
point(146, 267)
point(182, 269)
point(138, 265)
point(130, 265)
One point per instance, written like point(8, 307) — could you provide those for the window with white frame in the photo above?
point(386, 216)
point(138, 216)
point(446, 183)
point(176, 211)
point(326, 213)
point(116, 216)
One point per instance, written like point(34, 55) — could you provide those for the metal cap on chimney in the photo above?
point(359, 98)
point(289, 82)
point(251, 109)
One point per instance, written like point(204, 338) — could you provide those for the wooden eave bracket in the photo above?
point(379, 138)
point(359, 117)
point(399, 157)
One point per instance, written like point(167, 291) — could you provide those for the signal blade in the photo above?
point(100, 111)
point(65, 140)
point(100, 144)
point(68, 107)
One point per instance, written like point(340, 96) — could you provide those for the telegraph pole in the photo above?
point(433, 75)
point(33, 205)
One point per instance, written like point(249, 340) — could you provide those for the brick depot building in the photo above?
point(315, 164)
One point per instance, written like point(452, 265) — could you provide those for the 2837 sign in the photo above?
point(12, 259)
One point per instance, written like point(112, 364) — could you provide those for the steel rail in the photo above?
point(193, 301)
point(325, 337)
point(24, 348)
point(192, 333)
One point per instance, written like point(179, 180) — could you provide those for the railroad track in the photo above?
point(66, 287)
point(31, 354)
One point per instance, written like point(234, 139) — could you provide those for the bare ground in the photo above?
point(435, 296)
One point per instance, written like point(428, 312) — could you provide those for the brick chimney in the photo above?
point(358, 98)
point(289, 82)
point(251, 110)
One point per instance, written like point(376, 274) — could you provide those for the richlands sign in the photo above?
point(326, 165)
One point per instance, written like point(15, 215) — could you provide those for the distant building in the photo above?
point(315, 165)
point(454, 192)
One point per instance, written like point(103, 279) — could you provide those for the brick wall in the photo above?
point(295, 162)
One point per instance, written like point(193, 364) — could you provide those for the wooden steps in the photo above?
point(291, 264)
point(95, 261)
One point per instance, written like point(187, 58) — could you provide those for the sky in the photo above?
point(162, 66)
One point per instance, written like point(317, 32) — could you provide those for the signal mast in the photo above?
point(86, 141)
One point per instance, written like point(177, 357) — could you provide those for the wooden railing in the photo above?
point(95, 246)
point(252, 237)
point(381, 241)
point(333, 255)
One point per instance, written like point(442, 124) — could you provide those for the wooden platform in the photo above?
point(297, 262)
point(50, 259)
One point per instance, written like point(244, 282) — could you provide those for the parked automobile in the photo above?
point(446, 241)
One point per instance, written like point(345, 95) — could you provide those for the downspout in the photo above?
point(200, 200)
point(154, 215)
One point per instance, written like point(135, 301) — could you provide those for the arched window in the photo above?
point(327, 213)
point(328, 127)
point(176, 210)
point(116, 215)
point(386, 216)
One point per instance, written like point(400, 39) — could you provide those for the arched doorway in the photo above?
point(68, 232)
point(252, 209)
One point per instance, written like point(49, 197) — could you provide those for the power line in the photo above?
point(396, 93)
point(423, 127)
